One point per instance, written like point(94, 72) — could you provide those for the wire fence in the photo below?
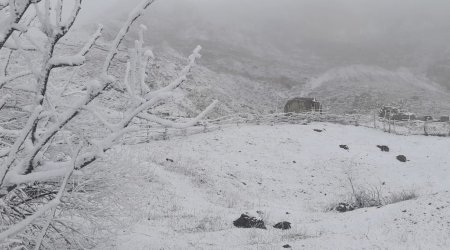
point(146, 132)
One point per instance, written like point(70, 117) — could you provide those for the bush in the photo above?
point(362, 197)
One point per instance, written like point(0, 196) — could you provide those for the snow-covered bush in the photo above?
point(40, 150)
point(363, 196)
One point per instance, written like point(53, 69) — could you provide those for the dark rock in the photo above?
point(284, 225)
point(246, 221)
point(383, 148)
point(169, 160)
point(287, 246)
point(344, 207)
point(318, 130)
point(344, 147)
point(401, 158)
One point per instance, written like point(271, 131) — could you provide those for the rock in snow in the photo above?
point(246, 221)
point(383, 148)
point(283, 225)
point(401, 158)
point(344, 207)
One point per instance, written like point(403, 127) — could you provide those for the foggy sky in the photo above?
point(402, 31)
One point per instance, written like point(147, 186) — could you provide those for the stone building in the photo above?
point(302, 105)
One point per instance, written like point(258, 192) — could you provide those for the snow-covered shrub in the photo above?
point(400, 196)
point(43, 149)
point(362, 197)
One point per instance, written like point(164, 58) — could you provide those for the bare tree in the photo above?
point(23, 161)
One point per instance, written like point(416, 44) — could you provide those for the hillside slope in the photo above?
point(262, 83)
point(362, 88)
point(184, 193)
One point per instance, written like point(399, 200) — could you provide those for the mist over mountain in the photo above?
point(291, 43)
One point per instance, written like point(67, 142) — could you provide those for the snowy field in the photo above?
point(112, 139)
point(185, 193)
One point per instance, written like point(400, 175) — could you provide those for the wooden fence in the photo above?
point(150, 132)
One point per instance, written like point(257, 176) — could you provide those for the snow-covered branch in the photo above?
point(102, 119)
point(181, 78)
point(9, 132)
point(67, 61)
point(65, 26)
point(3, 5)
point(13, 46)
point(25, 160)
point(17, 9)
point(171, 124)
point(135, 14)
point(3, 100)
point(92, 40)
point(13, 151)
point(52, 204)
point(95, 88)
point(79, 58)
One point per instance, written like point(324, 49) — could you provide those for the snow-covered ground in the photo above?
point(184, 193)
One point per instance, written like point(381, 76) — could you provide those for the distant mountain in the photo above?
point(361, 88)
point(250, 70)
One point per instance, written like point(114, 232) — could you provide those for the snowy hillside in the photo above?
point(304, 41)
point(187, 198)
point(236, 93)
point(241, 57)
point(356, 88)
point(165, 127)
point(361, 88)
point(259, 82)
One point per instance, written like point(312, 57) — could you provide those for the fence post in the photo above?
point(389, 123)
point(205, 127)
point(375, 120)
point(448, 124)
point(425, 127)
point(166, 134)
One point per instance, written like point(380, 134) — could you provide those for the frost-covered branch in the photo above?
point(100, 117)
point(3, 101)
point(92, 40)
point(9, 132)
point(181, 78)
point(14, 150)
point(67, 61)
point(25, 160)
point(13, 46)
point(78, 59)
point(17, 9)
point(52, 204)
point(135, 14)
point(3, 5)
point(94, 90)
point(65, 26)
point(171, 124)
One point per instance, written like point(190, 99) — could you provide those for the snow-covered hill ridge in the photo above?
point(184, 193)
point(374, 74)
point(354, 88)
point(363, 89)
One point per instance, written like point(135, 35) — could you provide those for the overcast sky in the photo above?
point(418, 28)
